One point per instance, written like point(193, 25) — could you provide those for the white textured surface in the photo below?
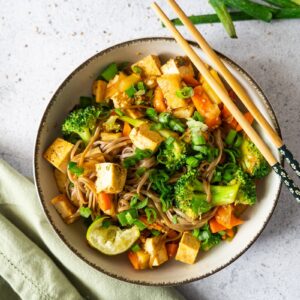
point(41, 42)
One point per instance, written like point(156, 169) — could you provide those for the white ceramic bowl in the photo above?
point(173, 272)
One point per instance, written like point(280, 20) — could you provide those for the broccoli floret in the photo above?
point(111, 124)
point(82, 122)
point(252, 161)
point(173, 152)
point(190, 196)
point(247, 190)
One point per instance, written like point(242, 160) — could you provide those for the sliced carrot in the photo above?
point(126, 129)
point(158, 100)
point(172, 249)
point(230, 233)
point(105, 201)
point(249, 118)
point(226, 217)
point(215, 226)
point(190, 80)
point(209, 110)
point(133, 258)
point(154, 225)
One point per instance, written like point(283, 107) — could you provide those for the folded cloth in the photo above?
point(36, 263)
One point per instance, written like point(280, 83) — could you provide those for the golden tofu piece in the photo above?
point(150, 65)
point(184, 112)
point(170, 84)
point(157, 251)
point(58, 154)
point(65, 208)
point(110, 178)
point(134, 113)
point(99, 90)
point(61, 181)
point(188, 248)
point(144, 138)
point(110, 136)
point(121, 100)
point(179, 65)
point(113, 85)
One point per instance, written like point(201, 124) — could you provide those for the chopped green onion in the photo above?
point(85, 211)
point(141, 226)
point(238, 142)
point(192, 162)
point(151, 113)
point(201, 148)
point(185, 92)
point(110, 72)
point(74, 169)
point(131, 214)
point(156, 127)
point(119, 112)
point(169, 141)
point(176, 125)
point(142, 204)
point(198, 139)
point(155, 232)
point(130, 91)
point(134, 200)
point(141, 86)
point(230, 137)
point(151, 214)
point(135, 248)
point(106, 223)
point(196, 232)
point(85, 101)
point(136, 69)
point(129, 218)
point(164, 117)
point(221, 233)
point(198, 117)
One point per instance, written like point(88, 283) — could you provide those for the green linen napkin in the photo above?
point(35, 262)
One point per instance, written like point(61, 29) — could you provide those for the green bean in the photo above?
point(224, 16)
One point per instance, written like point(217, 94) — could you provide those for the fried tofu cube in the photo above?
point(110, 178)
point(188, 248)
point(184, 112)
point(99, 90)
point(113, 86)
point(61, 181)
point(121, 100)
point(58, 154)
point(145, 138)
point(157, 251)
point(110, 136)
point(170, 84)
point(65, 208)
point(139, 259)
point(150, 65)
point(179, 65)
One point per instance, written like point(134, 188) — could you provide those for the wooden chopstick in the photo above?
point(236, 87)
point(249, 130)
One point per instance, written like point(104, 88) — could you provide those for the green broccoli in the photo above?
point(190, 196)
point(111, 124)
point(252, 161)
point(82, 122)
point(172, 152)
point(247, 190)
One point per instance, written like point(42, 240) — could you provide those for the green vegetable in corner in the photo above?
point(252, 161)
point(190, 196)
point(224, 16)
point(82, 122)
point(110, 72)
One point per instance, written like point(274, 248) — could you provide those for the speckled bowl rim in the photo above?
point(250, 80)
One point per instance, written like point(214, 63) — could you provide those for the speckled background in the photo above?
point(41, 42)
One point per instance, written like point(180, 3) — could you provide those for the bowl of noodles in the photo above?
point(144, 173)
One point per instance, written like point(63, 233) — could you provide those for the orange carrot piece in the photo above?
point(155, 226)
point(209, 110)
point(126, 129)
point(158, 100)
point(133, 258)
point(226, 217)
point(190, 80)
point(105, 201)
point(249, 118)
point(172, 249)
point(230, 233)
point(235, 221)
point(215, 226)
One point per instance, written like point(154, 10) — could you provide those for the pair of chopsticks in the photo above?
point(240, 92)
